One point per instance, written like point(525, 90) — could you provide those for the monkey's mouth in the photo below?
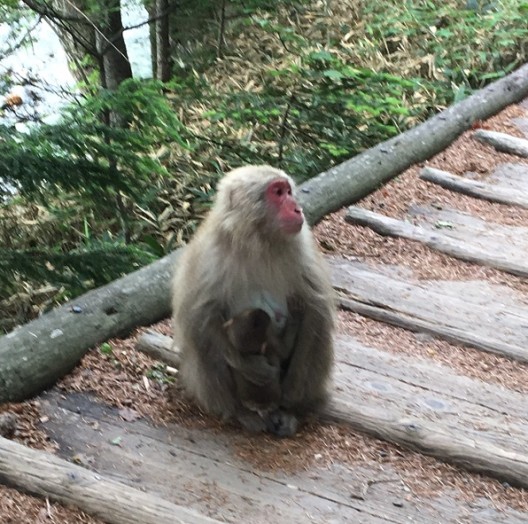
point(293, 226)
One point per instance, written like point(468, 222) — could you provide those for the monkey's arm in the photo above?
point(304, 384)
point(255, 369)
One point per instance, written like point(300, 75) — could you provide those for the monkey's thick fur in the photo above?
point(250, 333)
point(241, 258)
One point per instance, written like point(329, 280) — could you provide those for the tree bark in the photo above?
point(356, 178)
point(75, 31)
point(111, 47)
point(150, 6)
point(46, 475)
point(163, 48)
point(97, 32)
point(34, 356)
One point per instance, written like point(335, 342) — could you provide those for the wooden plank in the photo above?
point(199, 469)
point(475, 188)
point(510, 242)
point(488, 317)
point(489, 245)
point(46, 475)
point(503, 142)
point(429, 408)
point(438, 385)
point(418, 372)
point(159, 347)
point(410, 401)
point(509, 175)
point(448, 333)
point(433, 410)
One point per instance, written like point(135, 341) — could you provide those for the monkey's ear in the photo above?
point(264, 348)
point(228, 324)
point(236, 198)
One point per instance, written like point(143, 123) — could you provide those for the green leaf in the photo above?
point(443, 224)
point(106, 349)
point(333, 74)
point(321, 56)
point(116, 441)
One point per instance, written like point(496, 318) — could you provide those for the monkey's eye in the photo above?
point(279, 189)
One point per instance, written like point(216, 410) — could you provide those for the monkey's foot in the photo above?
point(282, 424)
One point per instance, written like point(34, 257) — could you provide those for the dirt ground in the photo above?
point(132, 381)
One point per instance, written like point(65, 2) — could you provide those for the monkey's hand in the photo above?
point(257, 370)
point(282, 423)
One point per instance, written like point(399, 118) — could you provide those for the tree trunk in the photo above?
point(115, 65)
point(46, 475)
point(35, 355)
point(163, 48)
point(150, 6)
point(97, 32)
point(356, 178)
point(75, 31)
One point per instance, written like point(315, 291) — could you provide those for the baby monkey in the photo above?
point(250, 334)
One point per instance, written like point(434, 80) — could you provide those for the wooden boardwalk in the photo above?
point(412, 401)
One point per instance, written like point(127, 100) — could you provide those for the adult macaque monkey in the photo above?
point(254, 250)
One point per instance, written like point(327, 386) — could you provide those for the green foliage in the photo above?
point(300, 84)
point(86, 172)
point(316, 84)
point(77, 270)
point(106, 349)
point(310, 106)
point(334, 112)
point(467, 45)
point(158, 373)
point(11, 11)
point(85, 155)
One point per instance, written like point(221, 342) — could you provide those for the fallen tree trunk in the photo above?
point(34, 356)
point(46, 475)
point(356, 178)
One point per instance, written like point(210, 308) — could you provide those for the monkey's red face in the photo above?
point(287, 211)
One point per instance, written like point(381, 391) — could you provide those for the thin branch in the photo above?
point(110, 42)
point(63, 22)
point(23, 39)
point(50, 12)
point(151, 19)
point(284, 125)
point(221, 31)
